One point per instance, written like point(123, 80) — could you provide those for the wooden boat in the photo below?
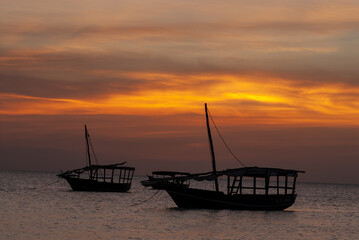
point(100, 178)
point(247, 188)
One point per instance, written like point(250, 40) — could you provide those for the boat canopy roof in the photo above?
point(96, 167)
point(112, 166)
point(169, 173)
point(244, 172)
point(261, 172)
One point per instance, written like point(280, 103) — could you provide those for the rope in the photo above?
point(45, 185)
point(93, 153)
point(136, 204)
point(224, 141)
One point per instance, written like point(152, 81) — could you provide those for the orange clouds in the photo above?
point(264, 99)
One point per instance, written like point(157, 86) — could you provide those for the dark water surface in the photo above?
point(322, 211)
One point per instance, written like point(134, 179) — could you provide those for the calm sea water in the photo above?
point(28, 210)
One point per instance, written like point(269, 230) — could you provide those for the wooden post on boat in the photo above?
point(267, 184)
point(286, 184)
point(295, 179)
point(212, 151)
point(88, 150)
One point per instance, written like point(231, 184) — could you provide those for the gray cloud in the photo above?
point(56, 88)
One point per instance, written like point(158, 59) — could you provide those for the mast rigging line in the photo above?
point(224, 142)
point(35, 188)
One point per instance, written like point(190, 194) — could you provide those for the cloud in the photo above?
point(84, 88)
point(302, 65)
point(307, 66)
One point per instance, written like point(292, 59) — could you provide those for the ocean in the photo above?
point(40, 206)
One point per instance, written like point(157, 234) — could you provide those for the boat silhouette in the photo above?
point(99, 178)
point(247, 188)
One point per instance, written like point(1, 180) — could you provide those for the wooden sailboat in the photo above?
point(247, 188)
point(100, 178)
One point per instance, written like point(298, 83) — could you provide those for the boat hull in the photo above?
point(204, 199)
point(79, 184)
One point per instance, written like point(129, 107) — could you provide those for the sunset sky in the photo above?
point(281, 80)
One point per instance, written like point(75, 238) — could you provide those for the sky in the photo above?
point(280, 78)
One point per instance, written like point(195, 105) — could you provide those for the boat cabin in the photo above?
point(265, 181)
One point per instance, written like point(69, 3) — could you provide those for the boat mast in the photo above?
point(88, 146)
point(212, 150)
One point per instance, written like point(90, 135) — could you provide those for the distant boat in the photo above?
point(247, 188)
point(159, 179)
point(99, 178)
